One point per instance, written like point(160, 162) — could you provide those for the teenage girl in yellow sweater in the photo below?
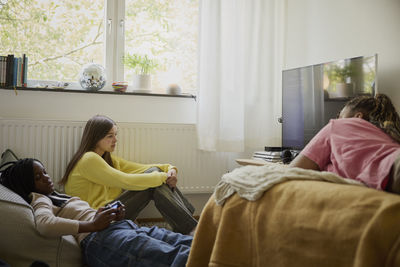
point(98, 177)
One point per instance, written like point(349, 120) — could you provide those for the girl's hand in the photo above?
point(120, 213)
point(171, 178)
point(103, 218)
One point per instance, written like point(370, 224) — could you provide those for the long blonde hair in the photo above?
point(96, 129)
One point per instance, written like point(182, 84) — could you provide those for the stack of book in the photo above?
point(13, 71)
point(270, 156)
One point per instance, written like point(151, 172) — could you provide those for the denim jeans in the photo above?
point(123, 243)
point(172, 205)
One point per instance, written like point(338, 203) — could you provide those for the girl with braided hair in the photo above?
point(362, 144)
point(106, 239)
point(378, 110)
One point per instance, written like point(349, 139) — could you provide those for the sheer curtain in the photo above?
point(240, 63)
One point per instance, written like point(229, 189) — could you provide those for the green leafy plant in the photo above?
point(141, 64)
point(338, 74)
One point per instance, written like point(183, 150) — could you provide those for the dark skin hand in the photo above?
point(120, 213)
point(102, 219)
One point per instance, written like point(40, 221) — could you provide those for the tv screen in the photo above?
point(313, 95)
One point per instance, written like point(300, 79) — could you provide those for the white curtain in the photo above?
point(240, 63)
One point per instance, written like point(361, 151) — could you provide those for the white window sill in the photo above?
point(80, 90)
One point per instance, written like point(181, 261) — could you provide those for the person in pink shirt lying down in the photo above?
point(362, 144)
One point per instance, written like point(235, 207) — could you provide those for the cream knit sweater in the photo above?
point(53, 221)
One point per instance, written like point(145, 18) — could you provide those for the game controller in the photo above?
point(114, 205)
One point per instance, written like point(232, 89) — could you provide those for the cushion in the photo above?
point(20, 242)
point(7, 156)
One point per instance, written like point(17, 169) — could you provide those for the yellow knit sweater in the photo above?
point(96, 182)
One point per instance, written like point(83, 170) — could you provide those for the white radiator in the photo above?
point(55, 142)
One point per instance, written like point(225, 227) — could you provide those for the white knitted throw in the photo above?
point(250, 182)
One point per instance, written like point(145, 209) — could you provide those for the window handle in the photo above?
point(109, 24)
point(122, 25)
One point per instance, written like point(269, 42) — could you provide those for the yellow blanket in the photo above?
point(301, 223)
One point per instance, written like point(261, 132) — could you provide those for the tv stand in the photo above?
point(254, 162)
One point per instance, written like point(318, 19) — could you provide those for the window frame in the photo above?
point(114, 40)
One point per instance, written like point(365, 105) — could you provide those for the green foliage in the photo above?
point(369, 79)
point(57, 37)
point(166, 30)
point(338, 73)
point(60, 36)
point(141, 64)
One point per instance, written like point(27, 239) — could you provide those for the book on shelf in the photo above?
point(9, 70)
point(24, 75)
point(3, 61)
point(19, 70)
point(13, 71)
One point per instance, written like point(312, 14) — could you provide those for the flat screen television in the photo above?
point(312, 95)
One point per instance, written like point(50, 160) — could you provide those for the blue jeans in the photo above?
point(123, 243)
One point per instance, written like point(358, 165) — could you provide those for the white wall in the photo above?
point(81, 106)
point(326, 30)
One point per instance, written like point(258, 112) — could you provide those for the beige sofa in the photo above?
point(21, 244)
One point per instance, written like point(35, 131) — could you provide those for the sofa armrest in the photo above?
point(21, 244)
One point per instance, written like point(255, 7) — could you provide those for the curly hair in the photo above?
point(378, 110)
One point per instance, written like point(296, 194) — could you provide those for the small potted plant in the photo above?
point(338, 79)
point(143, 66)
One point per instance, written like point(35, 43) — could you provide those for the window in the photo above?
point(166, 31)
point(59, 37)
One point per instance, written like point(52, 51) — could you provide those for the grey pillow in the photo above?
point(7, 156)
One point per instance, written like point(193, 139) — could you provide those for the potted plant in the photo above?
point(143, 66)
point(338, 80)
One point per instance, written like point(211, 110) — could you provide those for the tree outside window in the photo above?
point(168, 32)
point(59, 37)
